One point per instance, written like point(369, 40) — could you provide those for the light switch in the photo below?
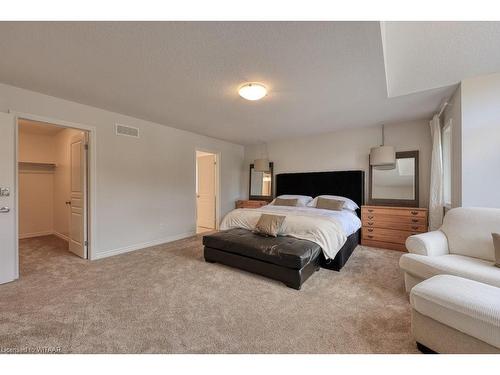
point(4, 192)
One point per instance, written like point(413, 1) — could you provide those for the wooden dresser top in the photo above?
point(397, 208)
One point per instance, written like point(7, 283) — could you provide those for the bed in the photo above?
point(313, 238)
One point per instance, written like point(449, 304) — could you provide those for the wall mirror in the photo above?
point(397, 185)
point(261, 184)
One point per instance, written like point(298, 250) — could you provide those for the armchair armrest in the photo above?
point(431, 243)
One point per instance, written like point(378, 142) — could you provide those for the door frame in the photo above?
point(91, 175)
point(217, 184)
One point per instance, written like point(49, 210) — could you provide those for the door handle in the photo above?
point(4, 210)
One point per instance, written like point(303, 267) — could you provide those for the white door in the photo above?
point(78, 218)
point(206, 191)
point(8, 236)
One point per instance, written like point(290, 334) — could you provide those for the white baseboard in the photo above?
point(127, 249)
point(35, 234)
point(61, 236)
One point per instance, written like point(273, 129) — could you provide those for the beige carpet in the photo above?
point(166, 299)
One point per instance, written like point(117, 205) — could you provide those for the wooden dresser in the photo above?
point(389, 227)
point(250, 203)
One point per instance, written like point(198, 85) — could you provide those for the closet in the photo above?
point(47, 155)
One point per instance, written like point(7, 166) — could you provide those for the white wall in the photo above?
point(146, 186)
point(481, 141)
point(347, 150)
point(36, 185)
point(36, 203)
point(36, 147)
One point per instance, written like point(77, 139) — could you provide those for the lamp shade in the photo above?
point(383, 156)
point(261, 165)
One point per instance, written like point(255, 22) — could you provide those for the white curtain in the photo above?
point(436, 201)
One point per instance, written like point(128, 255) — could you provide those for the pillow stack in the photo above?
point(348, 203)
point(292, 200)
point(330, 204)
point(285, 202)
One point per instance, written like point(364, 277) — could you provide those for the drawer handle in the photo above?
point(414, 212)
point(369, 210)
point(370, 229)
point(369, 236)
point(370, 223)
point(370, 217)
point(414, 220)
point(414, 228)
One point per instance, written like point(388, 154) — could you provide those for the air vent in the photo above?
point(128, 131)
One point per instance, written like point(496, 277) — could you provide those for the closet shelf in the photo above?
point(37, 164)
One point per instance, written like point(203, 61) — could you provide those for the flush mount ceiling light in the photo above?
point(252, 91)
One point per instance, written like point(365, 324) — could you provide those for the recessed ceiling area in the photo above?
point(320, 76)
point(425, 55)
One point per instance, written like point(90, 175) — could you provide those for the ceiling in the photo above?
point(322, 76)
point(41, 128)
point(423, 55)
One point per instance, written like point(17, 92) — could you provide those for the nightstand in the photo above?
point(250, 203)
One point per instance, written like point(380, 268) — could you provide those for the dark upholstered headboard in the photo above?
point(349, 184)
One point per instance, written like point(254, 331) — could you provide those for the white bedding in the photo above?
point(329, 229)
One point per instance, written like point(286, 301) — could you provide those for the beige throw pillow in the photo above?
point(285, 202)
point(269, 225)
point(330, 204)
point(496, 243)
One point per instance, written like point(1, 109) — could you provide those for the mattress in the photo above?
point(348, 219)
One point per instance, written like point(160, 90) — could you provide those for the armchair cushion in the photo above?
point(469, 229)
point(431, 243)
point(465, 305)
point(424, 267)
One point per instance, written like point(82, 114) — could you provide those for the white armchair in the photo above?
point(463, 247)
point(430, 244)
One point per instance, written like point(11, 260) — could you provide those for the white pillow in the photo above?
point(348, 205)
point(302, 200)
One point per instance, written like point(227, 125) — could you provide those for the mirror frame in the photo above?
point(260, 197)
point(397, 202)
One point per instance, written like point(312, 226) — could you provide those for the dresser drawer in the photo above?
point(386, 235)
point(413, 227)
point(386, 211)
point(380, 219)
point(384, 245)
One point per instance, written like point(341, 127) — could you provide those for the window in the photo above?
point(446, 139)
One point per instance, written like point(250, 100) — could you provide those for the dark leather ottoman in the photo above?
point(287, 259)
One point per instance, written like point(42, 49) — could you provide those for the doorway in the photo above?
point(206, 191)
point(52, 187)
